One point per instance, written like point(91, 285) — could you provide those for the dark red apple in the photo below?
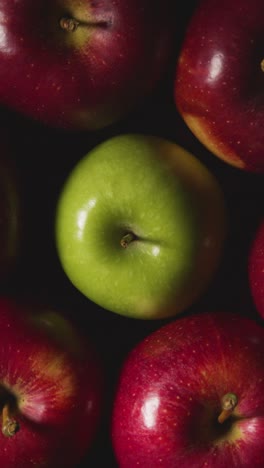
point(191, 394)
point(256, 268)
point(219, 86)
point(10, 211)
point(50, 387)
point(82, 65)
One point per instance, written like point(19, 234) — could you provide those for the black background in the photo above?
point(43, 159)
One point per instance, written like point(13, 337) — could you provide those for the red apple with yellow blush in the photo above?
point(84, 64)
point(219, 84)
point(50, 388)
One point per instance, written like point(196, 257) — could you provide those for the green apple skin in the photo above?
point(156, 191)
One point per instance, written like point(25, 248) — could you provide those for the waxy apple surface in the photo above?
point(170, 407)
point(219, 86)
point(140, 226)
point(50, 387)
point(82, 64)
point(256, 268)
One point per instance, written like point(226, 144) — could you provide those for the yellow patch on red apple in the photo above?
point(46, 366)
point(50, 386)
point(208, 139)
point(75, 10)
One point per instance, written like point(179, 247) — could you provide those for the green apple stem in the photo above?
point(127, 239)
point(229, 402)
point(69, 24)
point(9, 425)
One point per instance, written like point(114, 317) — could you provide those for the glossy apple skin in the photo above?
point(54, 376)
point(256, 268)
point(88, 78)
point(219, 85)
point(10, 212)
point(168, 199)
point(169, 391)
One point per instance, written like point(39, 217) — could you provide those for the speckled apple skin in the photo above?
point(88, 78)
point(219, 85)
point(256, 268)
point(52, 373)
point(168, 395)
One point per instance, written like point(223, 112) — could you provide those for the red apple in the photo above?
point(50, 386)
point(256, 268)
point(220, 80)
point(191, 394)
point(82, 65)
point(10, 211)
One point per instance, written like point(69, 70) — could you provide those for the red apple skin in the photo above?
point(10, 212)
point(169, 391)
point(256, 269)
point(57, 384)
point(88, 78)
point(219, 84)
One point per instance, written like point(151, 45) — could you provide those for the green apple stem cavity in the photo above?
point(69, 24)
point(229, 402)
point(127, 239)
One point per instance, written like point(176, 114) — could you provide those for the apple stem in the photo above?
point(229, 402)
point(127, 239)
point(9, 425)
point(262, 65)
point(69, 24)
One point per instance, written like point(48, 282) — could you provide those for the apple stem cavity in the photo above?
point(229, 402)
point(70, 24)
point(127, 239)
point(9, 425)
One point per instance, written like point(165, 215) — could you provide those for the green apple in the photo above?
point(140, 226)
